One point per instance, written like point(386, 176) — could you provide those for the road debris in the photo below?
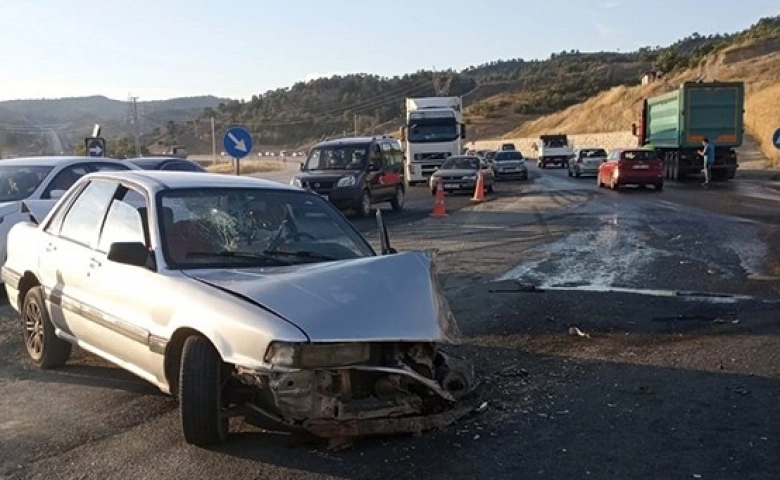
point(574, 331)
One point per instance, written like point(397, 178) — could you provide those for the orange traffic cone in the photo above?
point(479, 191)
point(438, 204)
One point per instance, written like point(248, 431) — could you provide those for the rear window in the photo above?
point(639, 155)
point(595, 152)
point(513, 155)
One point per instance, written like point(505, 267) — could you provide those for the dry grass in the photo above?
point(248, 166)
point(617, 108)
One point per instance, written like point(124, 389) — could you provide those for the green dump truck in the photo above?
point(676, 123)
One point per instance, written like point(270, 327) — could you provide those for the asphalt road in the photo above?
point(630, 334)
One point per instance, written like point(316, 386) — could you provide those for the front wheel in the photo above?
point(364, 209)
point(204, 418)
point(398, 201)
point(44, 348)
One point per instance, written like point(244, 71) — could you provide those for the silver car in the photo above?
point(459, 174)
point(41, 178)
point(586, 161)
point(240, 297)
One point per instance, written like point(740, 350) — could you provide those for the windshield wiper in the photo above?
point(240, 256)
point(300, 254)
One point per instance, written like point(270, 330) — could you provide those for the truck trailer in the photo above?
point(433, 132)
point(676, 123)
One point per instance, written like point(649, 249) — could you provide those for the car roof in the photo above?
point(157, 160)
point(155, 180)
point(53, 161)
point(350, 141)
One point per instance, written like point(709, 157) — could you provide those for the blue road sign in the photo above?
point(776, 139)
point(237, 142)
point(95, 146)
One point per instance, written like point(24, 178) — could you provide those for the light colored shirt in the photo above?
point(709, 154)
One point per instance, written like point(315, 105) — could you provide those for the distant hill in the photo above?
point(22, 122)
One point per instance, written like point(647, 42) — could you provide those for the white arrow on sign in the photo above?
point(96, 150)
point(239, 144)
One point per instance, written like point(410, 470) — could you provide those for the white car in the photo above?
point(41, 178)
point(242, 297)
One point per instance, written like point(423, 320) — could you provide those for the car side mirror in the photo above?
point(129, 253)
point(56, 194)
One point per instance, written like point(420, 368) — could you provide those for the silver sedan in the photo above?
point(240, 297)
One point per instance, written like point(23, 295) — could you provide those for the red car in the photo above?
point(636, 166)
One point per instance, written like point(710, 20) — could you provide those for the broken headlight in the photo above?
point(322, 355)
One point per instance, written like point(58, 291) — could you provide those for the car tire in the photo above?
point(44, 348)
point(400, 198)
point(204, 421)
point(577, 173)
point(659, 187)
point(569, 172)
point(364, 209)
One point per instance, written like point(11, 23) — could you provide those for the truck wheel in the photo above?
point(44, 348)
point(204, 418)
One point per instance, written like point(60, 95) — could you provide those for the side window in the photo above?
point(126, 220)
point(108, 167)
point(85, 215)
point(65, 179)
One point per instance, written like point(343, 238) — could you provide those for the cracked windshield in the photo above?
point(383, 241)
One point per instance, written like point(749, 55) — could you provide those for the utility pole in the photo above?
point(213, 144)
point(134, 111)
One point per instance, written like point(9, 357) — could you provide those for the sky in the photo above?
point(158, 49)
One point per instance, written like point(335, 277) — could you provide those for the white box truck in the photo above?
point(433, 132)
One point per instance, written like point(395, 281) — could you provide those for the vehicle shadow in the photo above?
point(564, 417)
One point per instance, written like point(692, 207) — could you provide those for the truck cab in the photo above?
point(434, 131)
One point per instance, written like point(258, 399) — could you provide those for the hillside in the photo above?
point(27, 126)
point(755, 62)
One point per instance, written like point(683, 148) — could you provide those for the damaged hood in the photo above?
point(384, 298)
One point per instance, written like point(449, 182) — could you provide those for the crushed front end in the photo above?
point(359, 389)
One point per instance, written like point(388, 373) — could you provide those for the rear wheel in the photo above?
point(44, 348)
point(204, 417)
point(400, 198)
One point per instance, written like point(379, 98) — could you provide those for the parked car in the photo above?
point(36, 178)
point(459, 173)
point(636, 166)
point(167, 163)
point(509, 164)
point(508, 146)
point(586, 161)
point(355, 173)
point(241, 297)
point(490, 154)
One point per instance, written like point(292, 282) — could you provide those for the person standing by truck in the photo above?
point(708, 154)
